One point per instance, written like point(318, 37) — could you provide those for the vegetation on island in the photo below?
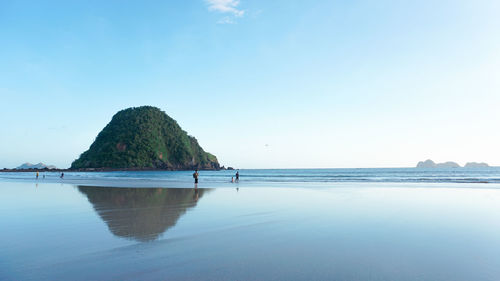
point(145, 138)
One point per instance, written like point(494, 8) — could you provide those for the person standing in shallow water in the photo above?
point(195, 176)
point(37, 175)
point(238, 175)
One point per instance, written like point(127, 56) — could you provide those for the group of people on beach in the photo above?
point(61, 176)
point(195, 176)
point(237, 176)
point(43, 176)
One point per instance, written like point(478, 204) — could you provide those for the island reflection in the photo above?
point(141, 214)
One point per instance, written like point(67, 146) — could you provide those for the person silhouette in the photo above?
point(195, 176)
point(238, 175)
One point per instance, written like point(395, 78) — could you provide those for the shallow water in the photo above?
point(267, 177)
point(371, 231)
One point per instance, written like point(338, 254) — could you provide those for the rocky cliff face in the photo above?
point(145, 138)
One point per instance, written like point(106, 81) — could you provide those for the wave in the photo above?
point(379, 175)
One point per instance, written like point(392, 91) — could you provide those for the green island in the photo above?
point(142, 138)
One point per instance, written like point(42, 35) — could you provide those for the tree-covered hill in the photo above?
point(145, 138)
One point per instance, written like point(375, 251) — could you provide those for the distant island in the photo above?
point(476, 165)
point(142, 138)
point(39, 166)
point(431, 164)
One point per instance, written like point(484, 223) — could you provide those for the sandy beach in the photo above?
point(54, 231)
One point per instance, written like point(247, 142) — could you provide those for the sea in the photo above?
point(270, 177)
point(285, 224)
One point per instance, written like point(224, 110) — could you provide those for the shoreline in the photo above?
point(161, 183)
point(86, 170)
point(327, 178)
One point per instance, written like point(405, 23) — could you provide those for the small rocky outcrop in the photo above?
point(431, 164)
point(476, 165)
point(39, 166)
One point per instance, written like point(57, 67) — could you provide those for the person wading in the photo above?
point(195, 176)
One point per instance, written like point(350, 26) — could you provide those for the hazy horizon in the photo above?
point(281, 84)
point(301, 168)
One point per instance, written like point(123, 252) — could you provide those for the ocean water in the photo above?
point(271, 177)
point(273, 225)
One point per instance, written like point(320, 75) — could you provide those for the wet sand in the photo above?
point(57, 231)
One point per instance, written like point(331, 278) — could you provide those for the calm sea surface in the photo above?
point(271, 177)
point(338, 224)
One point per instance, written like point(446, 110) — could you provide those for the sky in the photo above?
point(260, 84)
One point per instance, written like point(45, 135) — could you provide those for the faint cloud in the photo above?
point(226, 7)
point(226, 20)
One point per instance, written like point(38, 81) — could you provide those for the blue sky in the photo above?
point(260, 84)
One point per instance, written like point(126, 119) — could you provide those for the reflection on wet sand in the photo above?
point(142, 214)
